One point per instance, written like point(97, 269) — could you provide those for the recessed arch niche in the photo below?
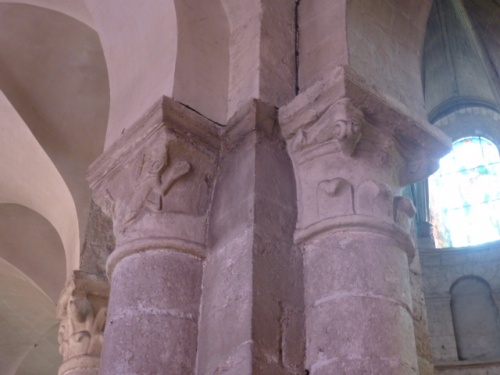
point(475, 319)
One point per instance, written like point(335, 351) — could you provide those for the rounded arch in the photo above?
point(29, 178)
point(183, 54)
point(380, 41)
point(471, 121)
point(54, 75)
point(28, 324)
point(140, 60)
point(475, 316)
point(30, 242)
point(76, 9)
point(467, 277)
point(202, 66)
point(456, 104)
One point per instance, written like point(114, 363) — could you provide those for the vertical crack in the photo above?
point(282, 319)
point(297, 3)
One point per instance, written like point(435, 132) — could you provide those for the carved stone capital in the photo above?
point(337, 129)
point(353, 151)
point(156, 181)
point(82, 311)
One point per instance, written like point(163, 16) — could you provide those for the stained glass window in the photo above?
point(465, 194)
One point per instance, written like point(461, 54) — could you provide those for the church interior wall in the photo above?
point(235, 94)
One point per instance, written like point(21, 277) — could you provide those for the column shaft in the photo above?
point(153, 313)
point(358, 306)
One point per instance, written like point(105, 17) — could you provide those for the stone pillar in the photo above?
point(252, 306)
point(82, 310)
point(352, 153)
point(156, 182)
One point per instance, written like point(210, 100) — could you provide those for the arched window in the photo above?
point(475, 320)
point(465, 194)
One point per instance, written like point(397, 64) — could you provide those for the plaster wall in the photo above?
point(133, 84)
point(30, 243)
point(19, 174)
point(54, 75)
point(28, 325)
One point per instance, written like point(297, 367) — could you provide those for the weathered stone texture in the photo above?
point(99, 242)
point(256, 221)
point(353, 224)
point(420, 322)
point(154, 293)
point(440, 270)
point(252, 315)
point(156, 184)
point(354, 286)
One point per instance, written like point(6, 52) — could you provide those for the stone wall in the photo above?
point(420, 320)
point(440, 270)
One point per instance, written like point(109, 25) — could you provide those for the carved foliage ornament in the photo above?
point(82, 311)
point(81, 331)
point(339, 125)
point(337, 197)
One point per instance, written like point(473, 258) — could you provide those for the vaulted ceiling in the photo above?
point(54, 104)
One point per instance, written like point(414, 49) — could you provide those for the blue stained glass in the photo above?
point(465, 194)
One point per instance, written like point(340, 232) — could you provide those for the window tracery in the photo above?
point(465, 194)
